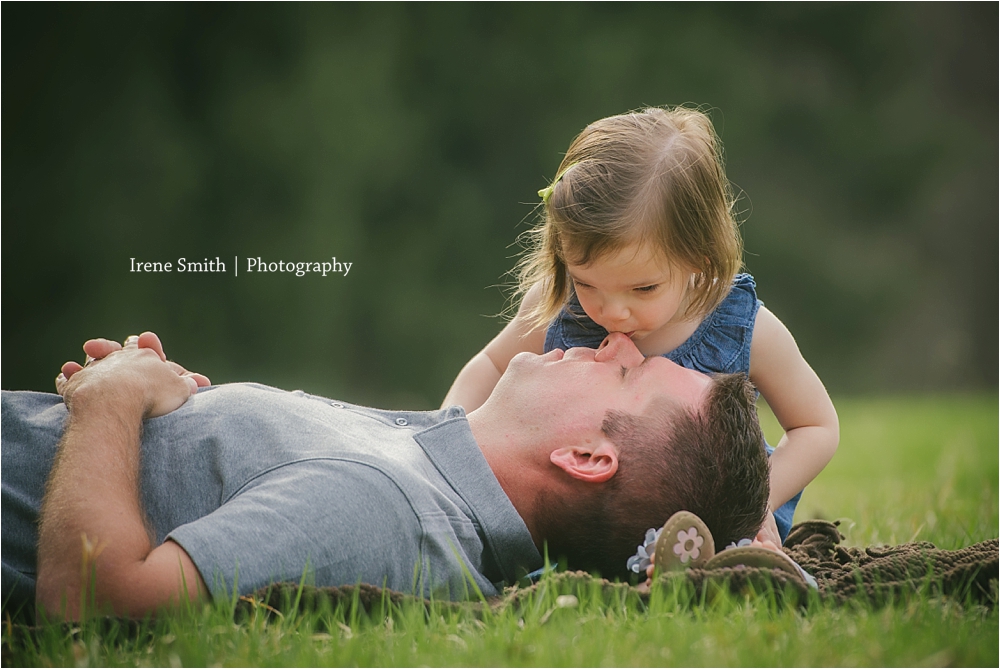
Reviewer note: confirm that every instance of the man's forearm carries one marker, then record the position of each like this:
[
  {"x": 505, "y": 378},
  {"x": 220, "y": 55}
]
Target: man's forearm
[
  {"x": 93, "y": 545},
  {"x": 94, "y": 548},
  {"x": 91, "y": 521}
]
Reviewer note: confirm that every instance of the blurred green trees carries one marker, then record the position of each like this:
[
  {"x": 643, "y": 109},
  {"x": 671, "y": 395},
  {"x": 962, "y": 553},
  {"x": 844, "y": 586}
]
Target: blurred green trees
[{"x": 411, "y": 139}]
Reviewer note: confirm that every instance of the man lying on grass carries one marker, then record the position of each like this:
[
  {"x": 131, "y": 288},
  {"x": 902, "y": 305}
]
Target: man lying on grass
[{"x": 153, "y": 493}]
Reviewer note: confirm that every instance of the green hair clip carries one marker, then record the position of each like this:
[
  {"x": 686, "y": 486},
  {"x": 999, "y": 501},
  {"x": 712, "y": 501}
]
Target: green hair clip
[{"x": 546, "y": 192}]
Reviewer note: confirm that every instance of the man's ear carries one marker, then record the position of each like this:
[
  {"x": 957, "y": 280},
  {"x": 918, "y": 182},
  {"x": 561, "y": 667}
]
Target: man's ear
[{"x": 593, "y": 463}]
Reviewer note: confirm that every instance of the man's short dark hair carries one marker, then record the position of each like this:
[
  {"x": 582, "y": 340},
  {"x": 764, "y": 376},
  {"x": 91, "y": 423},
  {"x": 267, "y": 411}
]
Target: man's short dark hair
[{"x": 711, "y": 463}]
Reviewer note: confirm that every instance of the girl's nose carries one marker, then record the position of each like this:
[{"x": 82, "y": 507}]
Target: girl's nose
[{"x": 614, "y": 311}]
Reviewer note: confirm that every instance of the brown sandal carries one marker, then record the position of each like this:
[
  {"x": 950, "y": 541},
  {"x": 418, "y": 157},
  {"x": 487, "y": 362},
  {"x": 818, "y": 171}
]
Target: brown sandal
[{"x": 684, "y": 542}]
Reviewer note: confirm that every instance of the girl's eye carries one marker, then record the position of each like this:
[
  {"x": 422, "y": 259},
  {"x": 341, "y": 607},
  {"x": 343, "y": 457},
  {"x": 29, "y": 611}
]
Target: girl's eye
[
  {"x": 580, "y": 284},
  {"x": 648, "y": 289}
]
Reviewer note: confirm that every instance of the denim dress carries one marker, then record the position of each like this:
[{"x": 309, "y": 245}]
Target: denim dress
[{"x": 721, "y": 344}]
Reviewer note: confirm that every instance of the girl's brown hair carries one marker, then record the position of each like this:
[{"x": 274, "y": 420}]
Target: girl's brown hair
[{"x": 650, "y": 177}]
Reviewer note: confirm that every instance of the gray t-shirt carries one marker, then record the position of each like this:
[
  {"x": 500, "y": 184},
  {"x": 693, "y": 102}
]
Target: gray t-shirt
[{"x": 261, "y": 485}]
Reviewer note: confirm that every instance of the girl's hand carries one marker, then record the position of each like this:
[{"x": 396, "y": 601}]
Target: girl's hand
[
  {"x": 648, "y": 583},
  {"x": 768, "y": 532},
  {"x": 766, "y": 543}
]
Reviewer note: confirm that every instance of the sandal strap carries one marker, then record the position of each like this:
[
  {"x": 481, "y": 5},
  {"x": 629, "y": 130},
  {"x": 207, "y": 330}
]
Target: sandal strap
[{"x": 756, "y": 556}]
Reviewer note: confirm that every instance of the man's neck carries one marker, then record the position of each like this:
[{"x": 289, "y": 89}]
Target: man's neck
[{"x": 512, "y": 463}]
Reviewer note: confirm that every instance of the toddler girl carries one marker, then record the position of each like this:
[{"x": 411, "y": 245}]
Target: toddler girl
[{"x": 639, "y": 237}]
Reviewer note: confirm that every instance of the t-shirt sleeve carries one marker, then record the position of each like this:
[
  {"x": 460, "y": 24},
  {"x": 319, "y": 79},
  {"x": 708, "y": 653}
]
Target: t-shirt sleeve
[{"x": 336, "y": 522}]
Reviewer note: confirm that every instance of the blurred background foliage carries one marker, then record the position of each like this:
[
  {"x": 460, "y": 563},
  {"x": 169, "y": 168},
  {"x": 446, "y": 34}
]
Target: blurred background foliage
[{"x": 410, "y": 140}]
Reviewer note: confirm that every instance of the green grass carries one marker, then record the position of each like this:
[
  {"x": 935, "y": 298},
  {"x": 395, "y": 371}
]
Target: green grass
[{"x": 907, "y": 469}]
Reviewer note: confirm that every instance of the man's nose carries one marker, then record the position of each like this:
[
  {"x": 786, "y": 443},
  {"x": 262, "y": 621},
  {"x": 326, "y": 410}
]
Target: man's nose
[{"x": 616, "y": 346}]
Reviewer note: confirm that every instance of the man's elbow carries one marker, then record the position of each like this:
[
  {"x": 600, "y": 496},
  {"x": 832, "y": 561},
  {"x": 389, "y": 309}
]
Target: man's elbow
[
  {"x": 65, "y": 593},
  {"x": 66, "y": 596},
  {"x": 56, "y": 597}
]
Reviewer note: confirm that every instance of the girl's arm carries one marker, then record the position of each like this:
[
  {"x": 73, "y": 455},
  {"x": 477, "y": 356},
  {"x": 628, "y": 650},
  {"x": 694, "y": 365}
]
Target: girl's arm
[
  {"x": 475, "y": 383},
  {"x": 799, "y": 402}
]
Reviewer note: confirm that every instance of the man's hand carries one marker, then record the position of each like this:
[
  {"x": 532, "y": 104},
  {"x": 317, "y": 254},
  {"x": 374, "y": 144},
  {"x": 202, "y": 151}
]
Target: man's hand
[{"x": 140, "y": 368}]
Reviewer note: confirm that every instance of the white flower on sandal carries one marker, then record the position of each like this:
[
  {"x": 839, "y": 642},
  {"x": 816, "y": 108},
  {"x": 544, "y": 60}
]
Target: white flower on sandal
[
  {"x": 740, "y": 544},
  {"x": 688, "y": 546},
  {"x": 638, "y": 562}
]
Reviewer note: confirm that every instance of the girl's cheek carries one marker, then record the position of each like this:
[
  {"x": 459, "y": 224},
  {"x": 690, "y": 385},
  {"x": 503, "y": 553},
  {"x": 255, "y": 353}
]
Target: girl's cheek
[{"x": 588, "y": 306}]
